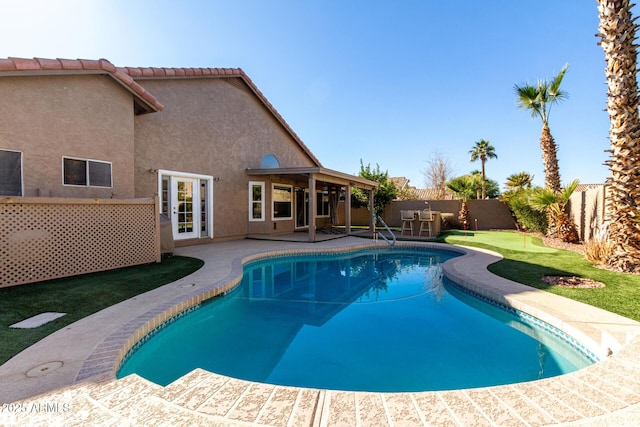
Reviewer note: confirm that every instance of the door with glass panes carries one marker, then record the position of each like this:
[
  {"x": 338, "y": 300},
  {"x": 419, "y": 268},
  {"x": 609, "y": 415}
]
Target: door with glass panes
[
  {"x": 187, "y": 200},
  {"x": 185, "y": 212}
]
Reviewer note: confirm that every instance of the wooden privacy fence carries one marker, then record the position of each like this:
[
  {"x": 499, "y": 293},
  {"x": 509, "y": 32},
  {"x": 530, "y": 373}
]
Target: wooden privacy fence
[{"x": 47, "y": 238}]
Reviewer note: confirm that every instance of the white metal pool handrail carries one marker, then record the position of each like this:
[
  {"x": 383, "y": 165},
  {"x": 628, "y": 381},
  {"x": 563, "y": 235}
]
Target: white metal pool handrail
[{"x": 389, "y": 230}]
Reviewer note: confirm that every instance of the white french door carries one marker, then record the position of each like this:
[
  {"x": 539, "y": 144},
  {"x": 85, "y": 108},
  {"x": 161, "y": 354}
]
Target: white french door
[
  {"x": 185, "y": 200},
  {"x": 188, "y": 200}
]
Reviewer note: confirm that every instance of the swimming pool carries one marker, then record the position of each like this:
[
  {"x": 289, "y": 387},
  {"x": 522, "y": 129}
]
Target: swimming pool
[{"x": 375, "y": 320}]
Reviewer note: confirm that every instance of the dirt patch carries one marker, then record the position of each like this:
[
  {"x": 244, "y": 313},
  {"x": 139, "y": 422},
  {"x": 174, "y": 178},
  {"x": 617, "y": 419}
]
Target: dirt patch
[
  {"x": 572, "y": 282},
  {"x": 554, "y": 242}
]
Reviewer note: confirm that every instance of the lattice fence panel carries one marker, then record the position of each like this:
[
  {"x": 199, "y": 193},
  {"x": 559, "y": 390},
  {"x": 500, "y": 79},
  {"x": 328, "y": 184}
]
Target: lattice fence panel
[{"x": 43, "y": 239}]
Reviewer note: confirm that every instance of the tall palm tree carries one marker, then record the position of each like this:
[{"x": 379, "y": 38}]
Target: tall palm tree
[
  {"x": 539, "y": 99},
  {"x": 519, "y": 181},
  {"x": 617, "y": 30},
  {"x": 483, "y": 150}
]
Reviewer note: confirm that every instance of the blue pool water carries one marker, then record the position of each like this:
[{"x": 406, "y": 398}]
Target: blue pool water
[{"x": 374, "y": 320}]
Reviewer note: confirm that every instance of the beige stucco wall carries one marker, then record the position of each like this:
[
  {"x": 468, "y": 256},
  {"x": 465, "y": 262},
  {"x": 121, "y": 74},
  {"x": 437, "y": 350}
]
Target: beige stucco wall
[
  {"x": 270, "y": 226},
  {"x": 214, "y": 127},
  {"x": 83, "y": 116},
  {"x": 490, "y": 213},
  {"x": 588, "y": 211}
]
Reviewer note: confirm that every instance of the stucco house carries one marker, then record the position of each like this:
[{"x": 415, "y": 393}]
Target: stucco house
[{"x": 220, "y": 158}]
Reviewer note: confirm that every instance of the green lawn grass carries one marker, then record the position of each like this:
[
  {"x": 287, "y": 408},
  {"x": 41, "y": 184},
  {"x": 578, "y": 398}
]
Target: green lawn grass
[
  {"x": 526, "y": 263},
  {"x": 79, "y": 296}
]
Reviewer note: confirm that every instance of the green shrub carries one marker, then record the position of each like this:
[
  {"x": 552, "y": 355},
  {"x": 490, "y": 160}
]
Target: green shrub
[{"x": 525, "y": 215}]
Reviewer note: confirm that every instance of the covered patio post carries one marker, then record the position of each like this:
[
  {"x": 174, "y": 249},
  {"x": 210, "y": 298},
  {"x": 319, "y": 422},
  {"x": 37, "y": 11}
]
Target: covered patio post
[
  {"x": 347, "y": 209},
  {"x": 311, "y": 211},
  {"x": 372, "y": 213}
]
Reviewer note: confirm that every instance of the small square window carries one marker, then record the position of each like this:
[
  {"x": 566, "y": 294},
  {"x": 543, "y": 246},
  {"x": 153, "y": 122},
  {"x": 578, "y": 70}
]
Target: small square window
[
  {"x": 10, "y": 173},
  {"x": 75, "y": 172},
  {"x": 99, "y": 174}
]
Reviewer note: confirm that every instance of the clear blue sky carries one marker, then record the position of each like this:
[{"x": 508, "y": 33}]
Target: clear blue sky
[{"x": 388, "y": 83}]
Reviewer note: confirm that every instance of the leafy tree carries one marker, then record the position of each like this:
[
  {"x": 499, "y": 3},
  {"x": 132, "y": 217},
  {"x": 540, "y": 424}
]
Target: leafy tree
[
  {"x": 518, "y": 201},
  {"x": 382, "y": 196},
  {"x": 539, "y": 98},
  {"x": 519, "y": 190},
  {"x": 554, "y": 203},
  {"x": 483, "y": 150},
  {"x": 491, "y": 186},
  {"x": 618, "y": 32}
]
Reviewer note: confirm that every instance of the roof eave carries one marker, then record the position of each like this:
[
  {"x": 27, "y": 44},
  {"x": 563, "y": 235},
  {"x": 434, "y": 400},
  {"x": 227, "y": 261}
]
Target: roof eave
[{"x": 321, "y": 173}]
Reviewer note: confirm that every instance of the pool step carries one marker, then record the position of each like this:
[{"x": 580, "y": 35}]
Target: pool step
[{"x": 242, "y": 401}]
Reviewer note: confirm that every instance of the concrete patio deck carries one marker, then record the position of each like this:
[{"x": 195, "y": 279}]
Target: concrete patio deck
[{"x": 68, "y": 378}]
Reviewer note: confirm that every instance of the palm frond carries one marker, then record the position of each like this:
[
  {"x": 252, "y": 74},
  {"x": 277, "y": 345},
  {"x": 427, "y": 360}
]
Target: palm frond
[
  {"x": 528, "y": 98},
  {"x": 543, "y": 198},
  {"x": 464, "y": 187},
  {"x": 483, "y": 150},
  {"x": 568, "y": 190},
  {"x": 539, "y": 98},
  {"x": 519, "y": 180},
  {"x": 554, "y": 87}
]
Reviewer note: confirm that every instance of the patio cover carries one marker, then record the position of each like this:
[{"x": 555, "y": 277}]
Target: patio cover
[{"x": 315, "y": 174}]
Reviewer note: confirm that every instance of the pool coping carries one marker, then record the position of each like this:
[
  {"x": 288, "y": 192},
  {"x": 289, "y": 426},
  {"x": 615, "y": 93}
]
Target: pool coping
[{"x": 603, "y": 332}]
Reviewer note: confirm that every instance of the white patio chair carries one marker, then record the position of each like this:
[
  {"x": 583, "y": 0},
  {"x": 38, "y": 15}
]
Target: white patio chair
[
  {"x": 426, "y": 218},
  {"x": 407, "y": 218}
]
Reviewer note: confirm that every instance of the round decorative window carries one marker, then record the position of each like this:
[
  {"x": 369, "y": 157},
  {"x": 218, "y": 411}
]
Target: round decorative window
[{"x": 269, "y": 161}]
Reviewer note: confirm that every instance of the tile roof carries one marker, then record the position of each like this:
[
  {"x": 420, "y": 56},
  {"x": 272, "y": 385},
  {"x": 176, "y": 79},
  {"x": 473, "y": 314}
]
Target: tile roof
[
  {"x": 170, "y": 73},
  {"x": 585, "y": 187},
  {"x": 17, "y": 66},
  {"x": 433, "y": 194},
  {"x": 181, "y": 72}
]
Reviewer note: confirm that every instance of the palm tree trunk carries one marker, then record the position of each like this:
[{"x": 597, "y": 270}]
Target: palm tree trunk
[
  {"x": 463, "y": 215},
  {"x": 550, "y": 160},
  {"x": 484, "y": 182},
  {"x": 617, "y": 29}
]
